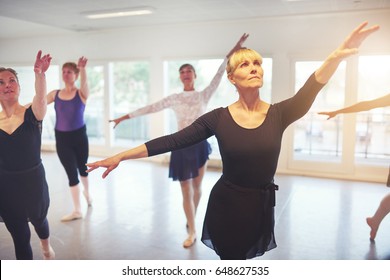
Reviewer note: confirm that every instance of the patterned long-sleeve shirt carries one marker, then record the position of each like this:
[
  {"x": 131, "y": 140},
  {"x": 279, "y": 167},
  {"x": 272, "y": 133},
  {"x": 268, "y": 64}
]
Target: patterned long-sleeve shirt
[{"x": 187, "y": 105}]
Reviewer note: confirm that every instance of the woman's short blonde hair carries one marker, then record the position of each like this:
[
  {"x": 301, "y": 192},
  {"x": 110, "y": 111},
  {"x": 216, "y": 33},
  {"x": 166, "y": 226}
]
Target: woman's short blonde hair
[{"x": 239, "y": 56}]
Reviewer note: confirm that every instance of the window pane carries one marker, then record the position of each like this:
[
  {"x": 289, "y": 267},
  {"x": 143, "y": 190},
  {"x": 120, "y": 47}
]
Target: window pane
[
  {"x": 224, "y": 95},
  {"x": 94, "y": 110},
  {"x": 131, "y": 89},
  {"x": 314, "y": 136},
  {"x": 373, "y": 127}
]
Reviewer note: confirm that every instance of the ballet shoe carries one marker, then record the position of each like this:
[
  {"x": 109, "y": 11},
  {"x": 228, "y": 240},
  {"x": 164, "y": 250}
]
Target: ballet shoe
[
  {"x": 71, "y": 217},
  {"x": 48, "y": 255},
  {"x": 189, "y": 241},
  {"x": 88, "y": 199}
]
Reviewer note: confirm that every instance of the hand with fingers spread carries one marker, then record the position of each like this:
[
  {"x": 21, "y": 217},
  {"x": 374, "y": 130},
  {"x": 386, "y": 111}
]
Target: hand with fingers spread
[
  {"x": 82, "y": 62},
  {"x": 42, "y": 63},
  {"x": 353, "y": 41},
  {"x": 112, "y": 162},
  {"x": 109, "y": 163},
  {"x": 348, "y": 47}
]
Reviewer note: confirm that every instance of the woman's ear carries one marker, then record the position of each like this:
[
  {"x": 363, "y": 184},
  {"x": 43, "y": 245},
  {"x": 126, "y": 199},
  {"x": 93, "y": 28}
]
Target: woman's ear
[{"x": 230, "y": 78}]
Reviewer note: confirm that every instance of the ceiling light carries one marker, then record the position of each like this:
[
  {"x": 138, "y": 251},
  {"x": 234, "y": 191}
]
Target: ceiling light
[{"x": 119, "y": 13}]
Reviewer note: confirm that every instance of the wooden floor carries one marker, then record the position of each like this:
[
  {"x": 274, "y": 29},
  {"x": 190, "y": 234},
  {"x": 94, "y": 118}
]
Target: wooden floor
[{"x": 137, "y": 215}]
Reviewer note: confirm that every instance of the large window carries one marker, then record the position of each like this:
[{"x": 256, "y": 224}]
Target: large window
[
  {"x": 130, "y": 91},
  {"x": 314, "y": 136},
  {"x": 343, "y": 143},
  {"x": 224, "y": 95},
  {"x": 373, "y": 127}
]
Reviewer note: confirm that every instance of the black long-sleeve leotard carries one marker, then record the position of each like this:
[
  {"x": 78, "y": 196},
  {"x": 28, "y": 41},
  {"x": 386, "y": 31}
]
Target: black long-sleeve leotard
[{"x": 250, "y": 158}]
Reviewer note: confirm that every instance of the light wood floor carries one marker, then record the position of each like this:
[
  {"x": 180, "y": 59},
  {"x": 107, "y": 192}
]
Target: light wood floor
[{"x": 137, "y": 215}]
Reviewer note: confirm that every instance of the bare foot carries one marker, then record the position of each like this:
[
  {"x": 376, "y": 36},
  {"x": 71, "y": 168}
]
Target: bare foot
[{"x": 374, "y": 228}]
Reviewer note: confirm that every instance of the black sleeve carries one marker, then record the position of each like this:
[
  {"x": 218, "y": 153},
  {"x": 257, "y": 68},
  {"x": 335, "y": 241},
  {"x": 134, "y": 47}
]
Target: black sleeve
[
  {"x": 198, "y": 131},
  {"x": 297, "y": 106}
]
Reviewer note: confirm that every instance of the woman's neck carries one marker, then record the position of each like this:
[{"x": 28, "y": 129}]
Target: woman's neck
[
  {"x": 189, "y": 88},
  {"x": 70, "y": 87},
  {"x": 10, "y": 108},
  {"x": 250, "y": 101}
]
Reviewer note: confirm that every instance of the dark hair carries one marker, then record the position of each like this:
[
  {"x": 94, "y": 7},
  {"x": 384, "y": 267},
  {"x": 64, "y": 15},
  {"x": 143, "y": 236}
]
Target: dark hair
[
  {"x": 187, "y": 65},
  {"x": 2, "y": 69}
]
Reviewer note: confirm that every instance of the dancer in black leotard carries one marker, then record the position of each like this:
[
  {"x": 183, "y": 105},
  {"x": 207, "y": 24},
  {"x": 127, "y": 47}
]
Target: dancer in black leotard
[
  {"x": 239, "y": 221},
  {"x": 24, "y": 193}
]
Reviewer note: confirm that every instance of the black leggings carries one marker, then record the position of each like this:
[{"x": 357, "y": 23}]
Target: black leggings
[
  {"x": 21, "y": 235},
  {"x": 24, "y": 197},
  {"x": 72, "y": 149}
]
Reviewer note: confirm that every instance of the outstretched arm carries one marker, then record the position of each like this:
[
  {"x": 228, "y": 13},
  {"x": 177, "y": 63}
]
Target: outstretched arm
[
  {"x": 349, "y": 47},
  {"x": 39, "y": 103},
  {"x": 382, "y": 101},
  {"x": 149, "y": 109},
  {"x": 112, "y": 162},
  {"x": 300, "y": 103},
  {"x": 199, "y": 130},
  {"x": 84, "y": 90}
]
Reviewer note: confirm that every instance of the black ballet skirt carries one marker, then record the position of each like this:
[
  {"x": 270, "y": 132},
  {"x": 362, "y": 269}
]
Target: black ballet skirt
[{"x": 239, "y": 221}]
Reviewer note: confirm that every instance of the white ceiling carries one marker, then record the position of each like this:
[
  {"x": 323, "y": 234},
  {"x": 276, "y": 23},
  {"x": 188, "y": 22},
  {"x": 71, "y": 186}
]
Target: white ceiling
[{"x": 22, "y": 18}]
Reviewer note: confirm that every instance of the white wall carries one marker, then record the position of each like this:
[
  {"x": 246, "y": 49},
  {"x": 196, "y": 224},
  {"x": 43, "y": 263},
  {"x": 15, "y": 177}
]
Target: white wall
[{"x": 280, "y": 38}]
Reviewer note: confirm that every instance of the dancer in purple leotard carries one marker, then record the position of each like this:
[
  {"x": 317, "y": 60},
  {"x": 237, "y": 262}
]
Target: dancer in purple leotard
[{"x": 71, "y": 132}]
